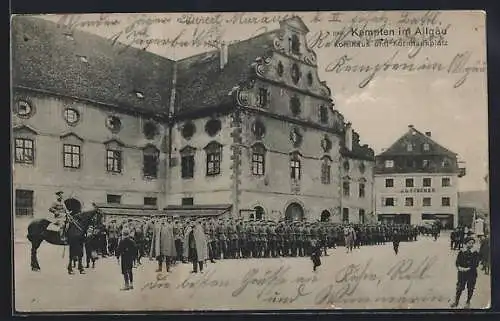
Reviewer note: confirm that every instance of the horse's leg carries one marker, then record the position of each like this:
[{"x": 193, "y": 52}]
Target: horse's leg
[
  {"x": 70, "y": 260},
  {"x": 35, "y": 244}
]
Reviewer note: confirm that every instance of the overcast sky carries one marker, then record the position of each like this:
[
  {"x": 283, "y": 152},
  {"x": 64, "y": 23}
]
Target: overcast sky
[{"x": 382, "y": 110}]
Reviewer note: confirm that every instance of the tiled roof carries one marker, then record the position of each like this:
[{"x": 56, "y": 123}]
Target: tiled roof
[
  {"x": 417, "y": 139},
  {"x": 50, "y": 57},
  {"x": 363, "y": 152},
  {"x": 202, "y": 83}
]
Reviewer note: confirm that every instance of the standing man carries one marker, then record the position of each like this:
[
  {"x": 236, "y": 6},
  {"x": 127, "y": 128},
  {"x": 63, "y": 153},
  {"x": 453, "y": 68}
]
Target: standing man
[
  {"x": 60, "y": 212},
  {"x": 466, "y": 263},
  {"x": 196, "y": 250},
  {"x": 163, "y": 244}
]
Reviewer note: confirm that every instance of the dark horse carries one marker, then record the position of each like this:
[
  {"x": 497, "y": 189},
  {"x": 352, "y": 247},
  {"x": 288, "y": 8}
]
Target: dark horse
[{"x": 77, "y": 229}]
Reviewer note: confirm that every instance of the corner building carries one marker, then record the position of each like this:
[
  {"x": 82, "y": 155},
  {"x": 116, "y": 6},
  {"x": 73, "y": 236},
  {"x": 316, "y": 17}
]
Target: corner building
[
  {"x": 416, "y": 180},
  {"x": 246, "y": 131}
]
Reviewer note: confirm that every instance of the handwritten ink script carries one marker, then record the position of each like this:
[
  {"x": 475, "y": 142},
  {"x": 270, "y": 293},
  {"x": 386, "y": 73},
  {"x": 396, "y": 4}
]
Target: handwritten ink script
[
  {"x": 459, "y": 64},
  {"x": 352, "y": 283},
  {"x": 403, "y": 34}
]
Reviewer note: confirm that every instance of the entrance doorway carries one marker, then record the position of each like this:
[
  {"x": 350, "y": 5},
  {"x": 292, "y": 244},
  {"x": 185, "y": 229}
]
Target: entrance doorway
[
  {"x": 294, "y": 212},
  {"x": 325, "y": 216},
  {"x": 73, "y": 205}
]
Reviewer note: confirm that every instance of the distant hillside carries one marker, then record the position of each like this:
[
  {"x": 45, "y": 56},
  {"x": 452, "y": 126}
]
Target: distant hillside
[{"x": 477, "y": 199}]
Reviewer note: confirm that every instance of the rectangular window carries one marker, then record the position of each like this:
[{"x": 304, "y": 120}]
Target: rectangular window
[
  {"x": 71, "y": 155},
  {"x": 346, "y": 188},
  {"x": 24, "y": 151},
  {"x": 263, "y": 97},
  {"x": 409, "y": 201},
  {"x": 113, "y": 199},
  {"x": 114, "y": 161},
  {"x": 427, "y": 182},
  {"x": 295, "y": 169},
  {"x": 24, "y": 203},
  {"x": 257, "y": 163},
  {"x": 361, "y": 216},
  {"x": 345, "y": 215},
  {"x": 150, "y": 201},
  {"x": 445, "y": 201},
  {"x": 150, "y": 162},
  {"x": 213, "y": 163},
  {"x": 426, "y": 147},
  {"x": 425, "y": 163},
  {"x": 426, "y": 201},
  {"x": 389, "y": 164},
  {"x": 187, "y": 166},
  {"x": 325, "y": 173},
  {"x": 445, "y": 182},
  {"x": 409, "y": 147},
  {"x": 409, "y": 182},
  {"x": 361, "y": 190},
  {"x": 389, "y": 201},
  {"x": 187, "y": 201},
  {"x": 389, "y": 182}
]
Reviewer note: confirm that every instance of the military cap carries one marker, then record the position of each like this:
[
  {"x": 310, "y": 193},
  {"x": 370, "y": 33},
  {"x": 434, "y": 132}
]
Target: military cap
[{"x": 59, "y": 193}]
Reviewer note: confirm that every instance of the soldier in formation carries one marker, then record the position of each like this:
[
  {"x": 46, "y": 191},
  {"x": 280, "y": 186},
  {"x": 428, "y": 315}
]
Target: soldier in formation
[{"x": 228, "y": 238}]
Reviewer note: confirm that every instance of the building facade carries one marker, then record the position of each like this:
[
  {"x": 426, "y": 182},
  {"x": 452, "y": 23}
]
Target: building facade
[
  {"x": 357, "y": 180},
  {"x": 248, "y": 130},
  {"x": 416, "y": 180}
]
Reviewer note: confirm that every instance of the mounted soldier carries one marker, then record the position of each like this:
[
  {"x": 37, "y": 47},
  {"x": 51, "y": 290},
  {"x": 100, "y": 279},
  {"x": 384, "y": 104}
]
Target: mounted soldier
[{"x": 60, "y": 212}]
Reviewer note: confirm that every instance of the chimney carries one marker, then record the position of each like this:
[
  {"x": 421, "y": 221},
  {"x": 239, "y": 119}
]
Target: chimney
[
  {"x": 348, "y": 136},
  {"x": 428, "y": 134},
  {"x": 223, "y": 55}
]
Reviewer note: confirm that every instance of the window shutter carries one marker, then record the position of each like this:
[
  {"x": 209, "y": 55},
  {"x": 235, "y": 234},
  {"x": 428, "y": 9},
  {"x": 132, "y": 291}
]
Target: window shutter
[
  {"x": 383, "y": 201},
  {"x": 268, "y": 93}
]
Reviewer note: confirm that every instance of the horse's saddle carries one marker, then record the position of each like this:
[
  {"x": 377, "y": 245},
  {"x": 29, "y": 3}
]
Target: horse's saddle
[{"x": 55, "y": 225}]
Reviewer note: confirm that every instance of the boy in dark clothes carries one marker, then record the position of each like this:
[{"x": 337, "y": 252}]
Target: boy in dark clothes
[
  {"x": 316, "y": 253},
  {"x": 127, "y": 250},
  {"x": 467, "y": 262},
  {"x": 395, "y": 241}
]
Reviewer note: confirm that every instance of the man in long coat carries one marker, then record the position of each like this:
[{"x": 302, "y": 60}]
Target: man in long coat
[
  {"x": 196, "y": 249},
  {"x": 163, "y": 244}
]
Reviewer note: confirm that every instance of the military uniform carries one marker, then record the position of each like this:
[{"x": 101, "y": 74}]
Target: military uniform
[
  {"x": 222, "y": 238},
  {"x": 60, "y": 212}
]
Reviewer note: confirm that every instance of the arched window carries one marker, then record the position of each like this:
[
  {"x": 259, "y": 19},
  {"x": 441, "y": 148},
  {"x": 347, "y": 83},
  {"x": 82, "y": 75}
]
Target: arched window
[
  {"x": 259, "y": 213},
  {"x": 295, "y": 166},
  {"x": 326, "y": 170},
  {"x": 214, "y": 157},
  {"x": 258, "y": 159},
  {"x": 150, "y": 157}
]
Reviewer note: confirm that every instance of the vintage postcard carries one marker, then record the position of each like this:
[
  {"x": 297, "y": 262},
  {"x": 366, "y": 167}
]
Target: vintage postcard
[{"x": 250, "y": 161}]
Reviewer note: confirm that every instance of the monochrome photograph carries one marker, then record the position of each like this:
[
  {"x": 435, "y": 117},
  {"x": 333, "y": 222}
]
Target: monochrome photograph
[{"x": 249, "y": 161}]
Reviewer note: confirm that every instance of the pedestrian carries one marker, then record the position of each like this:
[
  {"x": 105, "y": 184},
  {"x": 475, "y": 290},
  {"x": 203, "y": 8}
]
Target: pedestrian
[
  {"x": 395, "y": 242},
  {"x": 315, "y": 253},
  {"x": 127, "y": 250},
  {"x": 484, "y": 251},
  {"x": 466, "y": 263}
]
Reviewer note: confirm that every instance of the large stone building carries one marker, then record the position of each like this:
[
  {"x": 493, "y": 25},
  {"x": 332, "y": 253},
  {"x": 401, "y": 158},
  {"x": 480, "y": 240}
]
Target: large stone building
[
  {"x": 416, "y": 179},
  {"x": 357, "y": 180},
  {"x": 248, "y": 130}
]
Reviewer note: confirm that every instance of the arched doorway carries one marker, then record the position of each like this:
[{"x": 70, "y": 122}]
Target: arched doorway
[
  {"x": 259, "y": 213},
  {"x": 294, "y": 212},
  {"x": 325, "y": 216},
  {"x": 73, "y": 205}
]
